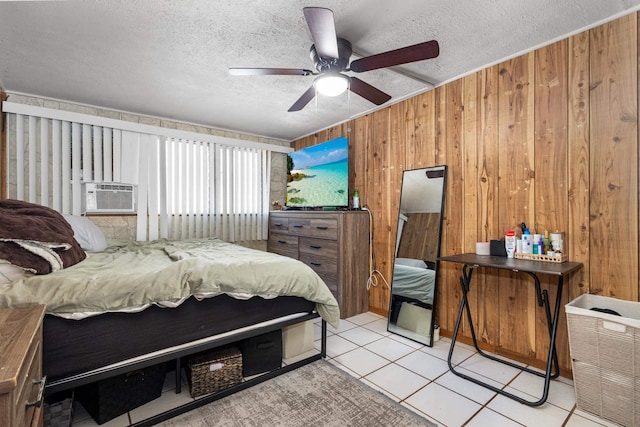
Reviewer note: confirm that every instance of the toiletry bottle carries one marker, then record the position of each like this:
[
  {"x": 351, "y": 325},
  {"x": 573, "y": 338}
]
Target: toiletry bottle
[
  {"x": 540, "y": 245},
  {"x": 356, "y": 199},
  {"x": 527, "y": 246},
  {"x": 510, "y": 242}
]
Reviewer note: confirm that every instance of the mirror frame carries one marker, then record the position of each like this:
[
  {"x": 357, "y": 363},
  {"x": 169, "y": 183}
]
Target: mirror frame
[{"x": 440, "y": 171}]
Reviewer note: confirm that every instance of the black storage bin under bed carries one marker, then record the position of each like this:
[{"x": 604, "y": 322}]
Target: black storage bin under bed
[
  {"x": 261, "y": 353},
  {"x": 111, "y": 397}
]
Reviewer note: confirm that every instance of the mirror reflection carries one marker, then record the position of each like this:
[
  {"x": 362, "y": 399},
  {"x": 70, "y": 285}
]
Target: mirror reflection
[{"x": 413, "y": 285}]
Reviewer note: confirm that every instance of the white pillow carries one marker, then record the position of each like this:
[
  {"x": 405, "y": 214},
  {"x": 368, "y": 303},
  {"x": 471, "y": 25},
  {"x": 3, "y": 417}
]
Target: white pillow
[
  {"x": 87, "y": 233},
  {"x": 10, "y": 273}
]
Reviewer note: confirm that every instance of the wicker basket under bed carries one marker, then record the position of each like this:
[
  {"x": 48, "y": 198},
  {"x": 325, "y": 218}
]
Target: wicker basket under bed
[{"x": 215, "y": 370}]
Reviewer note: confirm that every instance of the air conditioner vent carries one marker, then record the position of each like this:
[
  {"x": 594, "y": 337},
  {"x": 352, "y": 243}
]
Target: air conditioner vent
[{"x": 109, "y": 197}]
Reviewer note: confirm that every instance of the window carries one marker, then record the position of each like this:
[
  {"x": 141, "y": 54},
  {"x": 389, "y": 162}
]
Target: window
[{"x": 190, "y": 185}]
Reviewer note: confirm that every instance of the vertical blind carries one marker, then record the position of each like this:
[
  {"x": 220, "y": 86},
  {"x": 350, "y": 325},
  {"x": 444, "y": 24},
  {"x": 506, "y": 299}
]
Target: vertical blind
[{"x": 187, "y": 187}]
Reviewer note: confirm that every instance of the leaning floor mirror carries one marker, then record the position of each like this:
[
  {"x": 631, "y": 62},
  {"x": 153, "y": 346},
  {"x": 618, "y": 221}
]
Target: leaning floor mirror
[{"x": 417, "y": 247}]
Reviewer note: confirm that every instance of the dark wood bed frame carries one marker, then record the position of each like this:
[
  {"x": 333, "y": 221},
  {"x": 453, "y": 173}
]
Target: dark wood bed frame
[{"x": 176, "y": 353}]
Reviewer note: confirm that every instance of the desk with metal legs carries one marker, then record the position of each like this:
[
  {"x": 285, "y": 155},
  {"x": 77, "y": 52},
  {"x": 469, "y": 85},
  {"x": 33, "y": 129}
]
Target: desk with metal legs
[{"x": 532, "y": 268}]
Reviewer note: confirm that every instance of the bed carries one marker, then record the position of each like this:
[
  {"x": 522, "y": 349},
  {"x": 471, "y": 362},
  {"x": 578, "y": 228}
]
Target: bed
[{"x": 173, "y": 298}]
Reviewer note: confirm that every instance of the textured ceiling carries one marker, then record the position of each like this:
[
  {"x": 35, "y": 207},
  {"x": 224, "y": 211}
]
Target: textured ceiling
[{"x": 170, "y": 58}]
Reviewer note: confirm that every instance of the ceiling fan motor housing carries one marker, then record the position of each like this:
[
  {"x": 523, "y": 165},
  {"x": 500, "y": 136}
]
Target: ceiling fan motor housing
[{"x": 332, "y": 64}]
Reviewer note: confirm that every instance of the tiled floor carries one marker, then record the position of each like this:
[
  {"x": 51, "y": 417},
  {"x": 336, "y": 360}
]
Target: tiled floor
[{"x": 418, "y": 377}]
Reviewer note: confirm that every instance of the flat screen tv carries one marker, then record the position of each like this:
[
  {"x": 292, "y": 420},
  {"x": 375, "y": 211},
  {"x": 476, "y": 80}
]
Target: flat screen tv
[{"x": 318, "y": 176}]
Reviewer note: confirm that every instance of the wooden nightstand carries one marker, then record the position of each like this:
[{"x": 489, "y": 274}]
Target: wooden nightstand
[{"x": 21, "y": 382}]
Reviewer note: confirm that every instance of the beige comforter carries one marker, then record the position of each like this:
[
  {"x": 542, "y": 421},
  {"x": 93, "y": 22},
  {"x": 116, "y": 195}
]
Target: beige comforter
[{"x": 130, "y": 276}]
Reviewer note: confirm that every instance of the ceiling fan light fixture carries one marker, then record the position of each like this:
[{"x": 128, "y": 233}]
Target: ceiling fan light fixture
[{"x": 331, "y": 84}]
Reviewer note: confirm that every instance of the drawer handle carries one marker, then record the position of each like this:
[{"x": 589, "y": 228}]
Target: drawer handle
[
  {"x": 322, "y": 227},
  {"x": 277, "y": 225},
  {"x": 315, "y": 247},
  {"x": 38, "y": 402},
  {"x": 298, "y": 226},
  {"x": 315, "y": 264},
  {"x": 284, "y": 242}
]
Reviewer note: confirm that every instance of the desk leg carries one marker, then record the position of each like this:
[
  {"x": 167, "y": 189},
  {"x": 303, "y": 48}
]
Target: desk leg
[{"x": 552, "y": 360}]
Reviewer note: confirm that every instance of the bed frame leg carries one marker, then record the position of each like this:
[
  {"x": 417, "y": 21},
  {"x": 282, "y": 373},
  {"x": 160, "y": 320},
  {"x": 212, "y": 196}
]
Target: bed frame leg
[
  {"x": 323, "y": 342},
  {"x": 178, "y": 376}
]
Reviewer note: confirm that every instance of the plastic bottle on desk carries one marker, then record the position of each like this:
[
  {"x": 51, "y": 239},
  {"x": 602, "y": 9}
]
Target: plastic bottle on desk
[
  {"x": 527, "y": 244},
  {"x": 510, "y": 242}
]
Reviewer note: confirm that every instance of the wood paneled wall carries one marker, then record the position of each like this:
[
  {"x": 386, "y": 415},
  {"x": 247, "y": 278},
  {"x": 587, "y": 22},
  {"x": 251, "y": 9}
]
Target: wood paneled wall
[{"x": 549, "y": 138}]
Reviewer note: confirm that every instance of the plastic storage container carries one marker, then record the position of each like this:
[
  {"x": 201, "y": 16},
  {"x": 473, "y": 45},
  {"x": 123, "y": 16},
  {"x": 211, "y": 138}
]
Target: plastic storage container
[{"x": 605, "y": 353}]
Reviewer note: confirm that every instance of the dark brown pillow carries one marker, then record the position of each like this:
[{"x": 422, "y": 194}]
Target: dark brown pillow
[{"x": 29, "y": 221}]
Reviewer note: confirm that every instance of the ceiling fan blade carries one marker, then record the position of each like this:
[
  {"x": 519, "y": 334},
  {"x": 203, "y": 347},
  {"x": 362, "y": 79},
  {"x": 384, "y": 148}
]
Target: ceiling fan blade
[
  {"x": 323, "y": 31},
  {"x": 269, "y": 72},
  {"x": 368, "y": 92},
  {"x": 303, "y": 100},
  {"x": 404, "y": 55}
]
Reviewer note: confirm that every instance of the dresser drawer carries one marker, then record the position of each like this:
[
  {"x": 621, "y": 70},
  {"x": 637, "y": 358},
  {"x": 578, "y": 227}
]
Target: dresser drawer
[
  {"x": 283, "y": 244},
  {"x": 277, "y": 224},
  {"x": 322, "y": 247},
  {"x": 327, "y": 268},
  {"x": 326, "y": 228},
  {"x": 28, "y": 390}
]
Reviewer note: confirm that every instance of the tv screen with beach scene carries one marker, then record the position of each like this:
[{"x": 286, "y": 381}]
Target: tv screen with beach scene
[{"x": 318, "y": 176}]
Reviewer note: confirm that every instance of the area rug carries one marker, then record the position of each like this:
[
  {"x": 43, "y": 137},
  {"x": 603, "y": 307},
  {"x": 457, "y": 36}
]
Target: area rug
[{"x": 318, "y": 394}]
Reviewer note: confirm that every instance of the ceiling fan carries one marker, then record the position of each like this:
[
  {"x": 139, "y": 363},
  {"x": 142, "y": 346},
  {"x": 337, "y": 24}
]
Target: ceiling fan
[{"x": 331, "y": 54}]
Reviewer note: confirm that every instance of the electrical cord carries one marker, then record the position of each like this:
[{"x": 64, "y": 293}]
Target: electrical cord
[{"x": 372, "y": 280}]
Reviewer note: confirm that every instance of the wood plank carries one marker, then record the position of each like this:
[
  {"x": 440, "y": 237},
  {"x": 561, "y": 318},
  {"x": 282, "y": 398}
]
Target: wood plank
[
  {"x": 551, "y": 198},
  {"x": 517, "y": 297},
  {"x": 487, "y": 326},
  {"x": 378, "y": 187},
  {"x": 578, "y": 159},
  {"x": 449, "y": 152},
  {"x": 614, "y": 159}
]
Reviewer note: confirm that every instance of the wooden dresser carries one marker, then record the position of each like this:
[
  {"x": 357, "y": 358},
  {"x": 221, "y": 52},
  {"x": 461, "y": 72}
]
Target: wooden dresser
[
  {"x": 335, "y": 244},
  {"x": 21, "y": 382}
]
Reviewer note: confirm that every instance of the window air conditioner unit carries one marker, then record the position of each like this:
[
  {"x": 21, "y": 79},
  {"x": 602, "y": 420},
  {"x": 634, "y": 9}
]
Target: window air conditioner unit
[{"x": 109, "y": 197}]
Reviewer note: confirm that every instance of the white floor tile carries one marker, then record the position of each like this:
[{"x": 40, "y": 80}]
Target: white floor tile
[
  {"x": 487, "y": 417},
  {"x": 467, "y": 388},
  {"x": 361, "y": 336},
  {"x": 361, "y": 361},
  {"x": 443, "y": 405},
  {"x": 406, "y": 341},
  {"x": 389, "y": 349},
  {"x": 336, "y": 345},
  {"x": 363, "y": 318},
  {"x": 344, "y": 325},
  {"x": 424, "y": 364},
  {"x": 490, "y": 369},
  {"x": 344, "y": 368},
  {"x": 379, "y": 326},
  {"x": 381, "y": 390},
  {"x": 441, "y": 350},
  {"x": 543, "y": 415},
  {"x": 397, "y": 380},
  {"x": 560, "y": 394}
]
